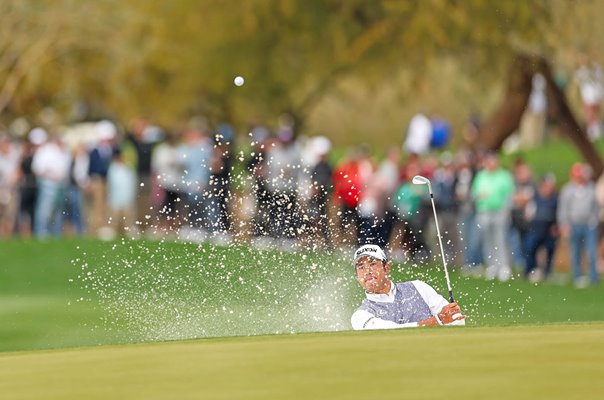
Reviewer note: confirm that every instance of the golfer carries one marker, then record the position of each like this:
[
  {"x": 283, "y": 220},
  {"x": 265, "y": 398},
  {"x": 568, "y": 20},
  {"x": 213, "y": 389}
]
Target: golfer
[{"x": 401, "y": 305}]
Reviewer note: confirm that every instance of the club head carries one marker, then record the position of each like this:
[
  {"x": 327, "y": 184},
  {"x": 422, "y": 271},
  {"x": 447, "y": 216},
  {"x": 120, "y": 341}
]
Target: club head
[{"x": 420, "y": 180}]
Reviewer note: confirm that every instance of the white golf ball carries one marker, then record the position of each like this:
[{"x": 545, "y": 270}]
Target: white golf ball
[{"x": 239, "y": 81}]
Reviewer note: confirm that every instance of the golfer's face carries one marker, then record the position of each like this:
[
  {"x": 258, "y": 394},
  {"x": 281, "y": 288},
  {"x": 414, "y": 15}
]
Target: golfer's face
[{"x": 372, "y": 274}]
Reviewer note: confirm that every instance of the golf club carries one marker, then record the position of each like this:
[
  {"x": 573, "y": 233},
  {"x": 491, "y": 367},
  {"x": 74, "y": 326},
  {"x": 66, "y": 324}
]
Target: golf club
[{"x": 422, "y": 180}]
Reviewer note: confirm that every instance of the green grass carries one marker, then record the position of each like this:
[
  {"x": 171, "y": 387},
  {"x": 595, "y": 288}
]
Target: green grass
[
  {"x": 529, "y": 362},
  {"x": 84, "y": 292},
  {"x": 139, "y": 298},
  {"x": 556, "y": 156}
]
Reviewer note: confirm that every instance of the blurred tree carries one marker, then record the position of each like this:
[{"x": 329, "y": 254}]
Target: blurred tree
[
  {"x": 50, "y": 47},
  {"x": 293, "y": 52},
  {"x": 173, "y": 60},
  {"x": 135, "y": 55},
  {"x": 308, "y": 47}
]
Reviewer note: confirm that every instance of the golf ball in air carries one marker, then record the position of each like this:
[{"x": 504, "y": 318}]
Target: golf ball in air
[{"x": 239, "y": 81}]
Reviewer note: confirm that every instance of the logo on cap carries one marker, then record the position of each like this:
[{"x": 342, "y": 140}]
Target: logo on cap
[{"x": 369, "y": 250}]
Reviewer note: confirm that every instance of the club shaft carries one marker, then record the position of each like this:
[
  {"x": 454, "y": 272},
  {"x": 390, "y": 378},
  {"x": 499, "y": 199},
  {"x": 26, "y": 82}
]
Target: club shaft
[{"x": 442, "y": 250}]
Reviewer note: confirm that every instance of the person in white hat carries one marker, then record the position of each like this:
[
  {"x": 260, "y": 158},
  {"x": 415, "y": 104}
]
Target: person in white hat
[{"x": 390, "y": 305}]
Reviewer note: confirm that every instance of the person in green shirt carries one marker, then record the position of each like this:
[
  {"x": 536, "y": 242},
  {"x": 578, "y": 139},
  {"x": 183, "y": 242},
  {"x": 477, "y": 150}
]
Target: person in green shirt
[
  {"x": 492, "y": 191},
  {"x": 408, "y": 202}
]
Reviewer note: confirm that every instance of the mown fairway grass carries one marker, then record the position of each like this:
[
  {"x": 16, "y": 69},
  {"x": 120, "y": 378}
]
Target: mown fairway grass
[
  {"x": 528, "y": 362},
  {"x": 522, "y": 341}
]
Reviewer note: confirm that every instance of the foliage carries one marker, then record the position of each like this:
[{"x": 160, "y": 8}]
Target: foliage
[
  {"x": 172, "y": 60},
  {"x": 50, "y": 49}
]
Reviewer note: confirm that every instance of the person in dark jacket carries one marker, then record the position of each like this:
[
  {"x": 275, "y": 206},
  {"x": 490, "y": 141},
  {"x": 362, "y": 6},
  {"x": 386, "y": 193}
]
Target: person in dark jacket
[{"x": 543, "y": 230}]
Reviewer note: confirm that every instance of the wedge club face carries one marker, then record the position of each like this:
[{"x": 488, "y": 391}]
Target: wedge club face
[{"x": 420, "y": 180}]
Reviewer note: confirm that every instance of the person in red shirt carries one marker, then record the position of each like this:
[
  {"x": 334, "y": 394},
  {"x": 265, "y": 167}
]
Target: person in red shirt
[{"x": 347, "y": 192}]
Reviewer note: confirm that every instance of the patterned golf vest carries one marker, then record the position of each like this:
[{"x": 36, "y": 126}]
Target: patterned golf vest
[{"x": 408, "y": 305}]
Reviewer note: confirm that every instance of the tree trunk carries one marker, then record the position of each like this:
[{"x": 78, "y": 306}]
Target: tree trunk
[
  {"x": 506, "y": 119},
  {"x": 563, "y": 116}
]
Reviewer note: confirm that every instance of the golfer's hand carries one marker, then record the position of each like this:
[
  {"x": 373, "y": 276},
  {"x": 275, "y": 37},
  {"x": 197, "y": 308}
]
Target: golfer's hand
[{"x": 450, "y": 313}]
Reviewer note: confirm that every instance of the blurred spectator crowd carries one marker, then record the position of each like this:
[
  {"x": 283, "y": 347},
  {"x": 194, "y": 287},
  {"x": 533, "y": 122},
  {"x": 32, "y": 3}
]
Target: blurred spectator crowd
[{"x": 278, "y": 189}]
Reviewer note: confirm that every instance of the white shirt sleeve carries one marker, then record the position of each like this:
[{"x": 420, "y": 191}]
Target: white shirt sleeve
[{"x": 363, "y": 320}]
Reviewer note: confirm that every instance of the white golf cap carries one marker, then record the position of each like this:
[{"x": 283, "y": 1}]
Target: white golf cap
[
  {"x": 370, "y": 250},
  {"x": 106, "y": 130},
  {"x": 37, "y": 136}
]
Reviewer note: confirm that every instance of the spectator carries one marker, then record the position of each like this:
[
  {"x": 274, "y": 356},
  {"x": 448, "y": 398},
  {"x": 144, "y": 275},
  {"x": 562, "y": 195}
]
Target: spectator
[
  {"x": 99, "y": 160},
  {"x": 368, "y": 201},
  {"x": 28, "y": 188},
  {"x": 283, "y": 169},
  {"x": 220, "y": 182},
  {"x": 492, "y": 189},
  {"x": 532, "y": 125},
  {"x": 523, "y": 193},
  {"x": 599, "y": 186},
  {"x": 445, "y": 182},
  {"x": 371, "y": 208},
  {"x": 321, "y": 186},
  {"x": 470, "y": 234},
  {"x": 195, "y": 153},
  {"x": 578, "y": 219},
  {"x": 590, "y": 79},
  {"x": 9, "y": 166},
  {"x": 441, "y": 133},
  {"x": 51, "y": 164},
  {"x": 542, "y": 231},
  {"x": 76, "y": 187},
  {"x": 347, "y": 193},
  {"x": 256, "y": 166},
  {"x": 419, "y": 135},
  {"x": 387, "y": 180},
  {"x": 167, "y": 167},
  {"x": 409, "y": 202},
  {"x": 349, "y": 180},
  {"x": 144, "y": 137},
  {"x": 121, "y": 195}
]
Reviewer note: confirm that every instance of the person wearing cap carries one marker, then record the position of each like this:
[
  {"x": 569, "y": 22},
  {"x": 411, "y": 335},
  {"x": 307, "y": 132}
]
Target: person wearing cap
[
  {"x": 100, "y": 156},
  {"x": 578, "y": 220},
  {"x": 390, "y": 305}
]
